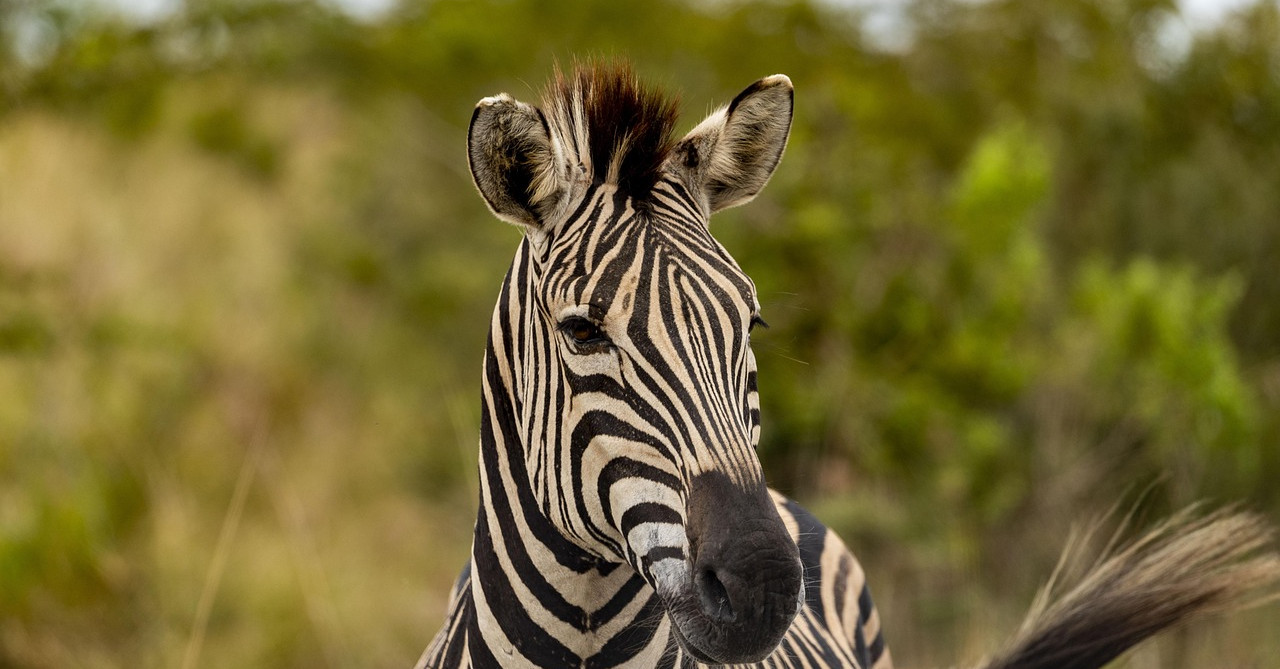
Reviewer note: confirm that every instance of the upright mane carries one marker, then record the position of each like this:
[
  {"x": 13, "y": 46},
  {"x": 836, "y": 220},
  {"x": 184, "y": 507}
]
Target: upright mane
[{"x": 619, "y": 130}]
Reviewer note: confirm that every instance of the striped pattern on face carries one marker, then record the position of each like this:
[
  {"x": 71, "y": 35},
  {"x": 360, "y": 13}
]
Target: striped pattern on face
[{"x": 668, "y": 393}]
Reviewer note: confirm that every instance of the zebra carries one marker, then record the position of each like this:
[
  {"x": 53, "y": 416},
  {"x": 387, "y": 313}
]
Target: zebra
[{"x": 624, "y": 519}]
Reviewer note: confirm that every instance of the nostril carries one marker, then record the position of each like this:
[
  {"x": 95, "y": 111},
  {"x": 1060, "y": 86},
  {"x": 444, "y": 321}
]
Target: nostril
[{"x": 715, "y": 598}]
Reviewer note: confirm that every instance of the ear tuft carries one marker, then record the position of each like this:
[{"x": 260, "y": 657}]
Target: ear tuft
[
  {"x": 513, "y": 160},
  {"x": 779, "y": 83}
]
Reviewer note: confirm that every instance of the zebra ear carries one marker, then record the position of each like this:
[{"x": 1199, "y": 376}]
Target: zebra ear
[
  {"x": 733, "y": 152},
  {"x": 514, "y": 162}
]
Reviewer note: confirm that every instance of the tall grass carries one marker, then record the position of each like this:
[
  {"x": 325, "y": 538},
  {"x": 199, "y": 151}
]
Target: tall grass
[{"x": 159, "y": 339}]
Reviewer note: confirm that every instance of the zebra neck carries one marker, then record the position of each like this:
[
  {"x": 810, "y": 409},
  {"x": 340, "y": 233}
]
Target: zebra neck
[{"x": 540, "y": 598}]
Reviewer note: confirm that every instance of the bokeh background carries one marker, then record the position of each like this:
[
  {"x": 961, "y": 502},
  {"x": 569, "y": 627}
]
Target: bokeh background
[{"x": 1021, "y": 263}]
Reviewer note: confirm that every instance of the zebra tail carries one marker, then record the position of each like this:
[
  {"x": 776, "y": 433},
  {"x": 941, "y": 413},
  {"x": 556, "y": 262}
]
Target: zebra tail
[{"x": 1187, "y": 567}]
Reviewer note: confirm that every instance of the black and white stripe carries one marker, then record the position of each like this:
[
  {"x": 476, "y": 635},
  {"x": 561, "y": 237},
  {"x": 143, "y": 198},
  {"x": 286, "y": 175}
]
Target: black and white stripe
[
  {"x": 633, "y": 427},
  {"x": 618, "y": 466}
]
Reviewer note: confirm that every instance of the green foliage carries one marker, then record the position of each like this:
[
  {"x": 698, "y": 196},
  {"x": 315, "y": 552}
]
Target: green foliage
[
  {"x": 1015, "y": 268},
  {"x": 223, "y": 131},
  {"x": 1162, "y": 361}
]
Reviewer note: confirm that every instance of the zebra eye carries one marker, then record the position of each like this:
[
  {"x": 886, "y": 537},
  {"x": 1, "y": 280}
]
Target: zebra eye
[
  {"x": 583, "y": 331},
  {"x": 756, "y": 320}
]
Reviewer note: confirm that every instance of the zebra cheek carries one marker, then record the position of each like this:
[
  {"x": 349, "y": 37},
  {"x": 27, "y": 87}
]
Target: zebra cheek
[
  {"x": 603, "y": 472},
  {"x": 586, "y": 368}
]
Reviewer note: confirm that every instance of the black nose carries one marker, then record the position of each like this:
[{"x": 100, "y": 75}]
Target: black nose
[
  {"x": 713, "y": 596},
  {"x": 750, "y": 579},
  {"x": 746, "y": 570}
]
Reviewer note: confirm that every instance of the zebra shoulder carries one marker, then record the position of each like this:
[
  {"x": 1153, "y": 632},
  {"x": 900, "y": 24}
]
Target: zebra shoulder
[{"x": 838, "y": 604}]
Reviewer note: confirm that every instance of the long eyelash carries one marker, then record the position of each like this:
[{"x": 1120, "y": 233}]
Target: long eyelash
[{"x": 758, "y": 321}]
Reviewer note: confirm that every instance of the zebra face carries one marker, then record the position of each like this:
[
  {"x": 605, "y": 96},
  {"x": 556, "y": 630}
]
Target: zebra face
[{"x": 629, "y": 328}]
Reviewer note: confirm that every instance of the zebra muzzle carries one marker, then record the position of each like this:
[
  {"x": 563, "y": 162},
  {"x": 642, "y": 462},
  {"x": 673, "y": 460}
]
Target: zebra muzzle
[{"x": 745, "y": 582}]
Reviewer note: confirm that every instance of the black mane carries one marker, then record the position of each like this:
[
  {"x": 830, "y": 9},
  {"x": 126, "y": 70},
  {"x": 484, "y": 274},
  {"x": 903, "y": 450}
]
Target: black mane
[{"x": 622, "y": 123}]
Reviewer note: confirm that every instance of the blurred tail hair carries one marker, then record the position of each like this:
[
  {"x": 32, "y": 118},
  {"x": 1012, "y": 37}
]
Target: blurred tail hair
[{"x": 1189, "y": 566}]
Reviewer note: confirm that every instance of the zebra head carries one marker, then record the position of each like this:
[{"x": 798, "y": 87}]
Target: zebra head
[{"x": 623, "y": 343}]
